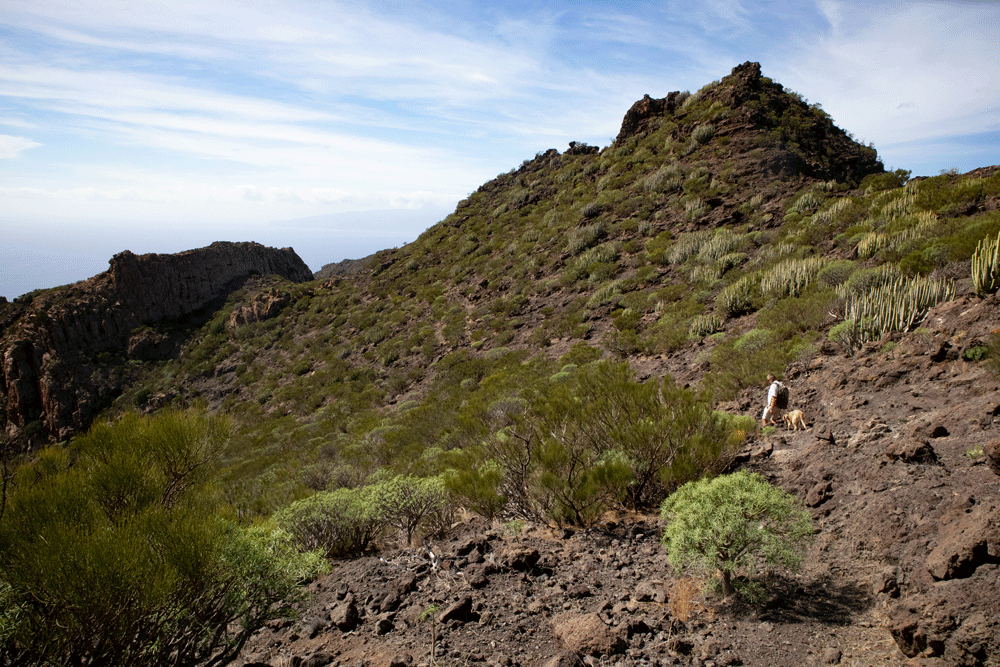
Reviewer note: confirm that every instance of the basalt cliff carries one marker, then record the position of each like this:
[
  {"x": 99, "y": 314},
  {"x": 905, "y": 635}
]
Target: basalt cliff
[{"x": 63, "y": 349}]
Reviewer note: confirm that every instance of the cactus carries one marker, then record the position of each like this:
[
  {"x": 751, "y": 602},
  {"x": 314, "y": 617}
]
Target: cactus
[
  {"x": 722, "y": 243},
  {"x": 703, "y": 325},
  {"x": 897, "y": 305},
  {"x": 738, "y": 298},
  {"x": 688, "y": 245},
  {"x": 791, "y": 276},
  {"x": 986, "y": 266}
]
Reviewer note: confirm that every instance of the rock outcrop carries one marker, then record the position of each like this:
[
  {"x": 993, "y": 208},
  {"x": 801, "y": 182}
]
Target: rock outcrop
[
  {"x": 62, "y": 350},
  {"x": 806, "y": 139}
]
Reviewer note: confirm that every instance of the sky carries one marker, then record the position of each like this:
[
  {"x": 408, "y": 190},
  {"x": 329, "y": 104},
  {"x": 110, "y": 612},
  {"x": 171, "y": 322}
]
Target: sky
[{"x": 341, "y": 128}]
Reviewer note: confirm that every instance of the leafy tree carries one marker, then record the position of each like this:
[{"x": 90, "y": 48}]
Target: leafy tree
[{"x": 734, "y": 523}]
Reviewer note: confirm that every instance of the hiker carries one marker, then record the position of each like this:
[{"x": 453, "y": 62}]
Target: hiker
[{"x": 772, "y": 410}]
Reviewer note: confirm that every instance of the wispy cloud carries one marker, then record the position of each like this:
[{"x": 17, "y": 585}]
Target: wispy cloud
[
  {"x": 233, "y": 110},
  {"x": 903, "y": 72},
  {"x": 11, "y": 147}
]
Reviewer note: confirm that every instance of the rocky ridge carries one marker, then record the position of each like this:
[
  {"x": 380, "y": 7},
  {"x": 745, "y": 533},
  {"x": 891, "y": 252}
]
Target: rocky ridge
[
  {"x": 60, "y": 349},
  {"x": 895, "y": 466}
]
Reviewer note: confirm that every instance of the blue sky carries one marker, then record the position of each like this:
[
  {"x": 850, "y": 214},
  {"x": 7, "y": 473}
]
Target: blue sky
[{"x": 339, "y": 128}]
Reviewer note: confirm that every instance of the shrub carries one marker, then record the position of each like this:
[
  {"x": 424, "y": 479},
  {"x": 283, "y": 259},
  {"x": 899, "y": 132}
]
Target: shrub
[
  {"x": 340, "y": 523},
  {"x": 703, "y": 133},
  {"x": 120, "y": 558},
  {"x": 409, "y": 502},
  {"x": 478, "y": 483},
  {"x": 732, "y": 524}
]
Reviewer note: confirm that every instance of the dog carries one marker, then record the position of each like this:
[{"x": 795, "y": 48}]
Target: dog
[{"x": 794, "y": 419}]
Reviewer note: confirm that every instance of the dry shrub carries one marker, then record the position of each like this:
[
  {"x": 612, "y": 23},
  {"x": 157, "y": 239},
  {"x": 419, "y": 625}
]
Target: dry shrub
[{"x": 685, "y": 599}]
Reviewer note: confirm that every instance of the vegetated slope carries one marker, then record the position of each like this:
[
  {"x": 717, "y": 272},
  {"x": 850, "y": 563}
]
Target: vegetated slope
[
  {"x": 64, "y": 350},
  {"x": 723, "y": 235},
  {"x": 588, "y": 246}
]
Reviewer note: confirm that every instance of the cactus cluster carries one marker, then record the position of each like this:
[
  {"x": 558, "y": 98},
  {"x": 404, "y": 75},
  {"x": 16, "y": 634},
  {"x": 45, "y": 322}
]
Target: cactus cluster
[
  {"x": 909, "y": 227},
  {"x": 703, "y": 325},
  {"x": 986, "y": 266},
  {"x": 809, "y": 201},
  {"x": 828, "y": 215},
  {"x": 720, "y": 244},
  {"x": 687, "y": 246},
  {"x": 899, "y": 304},
  {"x": 738, "y": 298},
  {"x": 791, "y": 276}
]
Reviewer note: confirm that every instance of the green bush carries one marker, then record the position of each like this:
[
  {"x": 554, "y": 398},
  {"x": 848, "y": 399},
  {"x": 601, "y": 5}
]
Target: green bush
[
  {"x": 478, "y": 484},
  {"x": 340, "y": 523},
  {"x": 119, "y": 556},
  {"x": 733, "y": 524},
  {"x": 409, "y": 502}
]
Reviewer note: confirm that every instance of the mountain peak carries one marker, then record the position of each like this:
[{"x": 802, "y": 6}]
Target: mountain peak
[{"x": 746, "y": 104}]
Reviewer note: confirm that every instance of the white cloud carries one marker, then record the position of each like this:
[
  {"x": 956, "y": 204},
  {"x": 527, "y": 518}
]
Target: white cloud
[
  {"x": 11, "y": 147},
  {"x": 902, "y": 72}
]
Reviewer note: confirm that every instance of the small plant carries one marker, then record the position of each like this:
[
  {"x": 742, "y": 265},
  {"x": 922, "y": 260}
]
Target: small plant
[
  {"x": 733, "y": 523},
  {"x": 975, "y": 453},
  {"x": 513, "y": 528},
  {"x": 683, "y": 599},
  {"x": 431, "y": 613}
]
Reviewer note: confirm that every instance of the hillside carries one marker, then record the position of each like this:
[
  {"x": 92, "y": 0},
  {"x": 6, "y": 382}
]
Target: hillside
[{"x": 723, "y": 235}]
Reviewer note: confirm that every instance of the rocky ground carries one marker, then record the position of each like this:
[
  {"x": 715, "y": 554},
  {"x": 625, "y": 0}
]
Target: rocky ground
[{"x": 899, "y": 467}]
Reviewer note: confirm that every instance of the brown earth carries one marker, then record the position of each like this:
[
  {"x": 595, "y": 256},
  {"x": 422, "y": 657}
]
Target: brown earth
[{"x": 903, "y": 570}]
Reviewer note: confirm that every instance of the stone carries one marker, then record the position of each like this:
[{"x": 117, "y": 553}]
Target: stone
[
  {"x": 586, "y": 634},
  {"x": 966, "y": 543},
  {"x": 565, "y": 659},
  {"x": 830, "y": 656},
  {"x": 650, "y": 591},
  {"x": 460, "y": 611},
  {"x": 992, "y": 452},
  {"x": 345, "y": 615},
  {"x": 519, "y": 557}
]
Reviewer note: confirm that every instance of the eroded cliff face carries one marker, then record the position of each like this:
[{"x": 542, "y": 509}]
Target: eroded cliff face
[{"x": 62, "y": 350}]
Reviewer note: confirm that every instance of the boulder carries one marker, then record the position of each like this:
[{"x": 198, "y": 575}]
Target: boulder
[
  {"x": 519, "y": 557},
  {"x": 966, "y": 543},
  {"x": 460, "y": 611},
  {"x": 911, "y": 450},
  {"x": 586, "y": 634},
  {"x": 346, "y": 615}
]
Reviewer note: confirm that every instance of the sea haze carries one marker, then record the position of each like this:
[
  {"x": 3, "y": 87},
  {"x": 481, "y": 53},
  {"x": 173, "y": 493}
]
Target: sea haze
[{"x": 42, "y": 254}]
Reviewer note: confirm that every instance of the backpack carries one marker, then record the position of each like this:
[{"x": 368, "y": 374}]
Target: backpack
[{"x": 782, "y": 399}]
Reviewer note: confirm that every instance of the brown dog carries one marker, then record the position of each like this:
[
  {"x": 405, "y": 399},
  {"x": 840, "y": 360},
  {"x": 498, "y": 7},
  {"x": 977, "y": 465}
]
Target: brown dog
[{"x": 794, "y": 419}]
